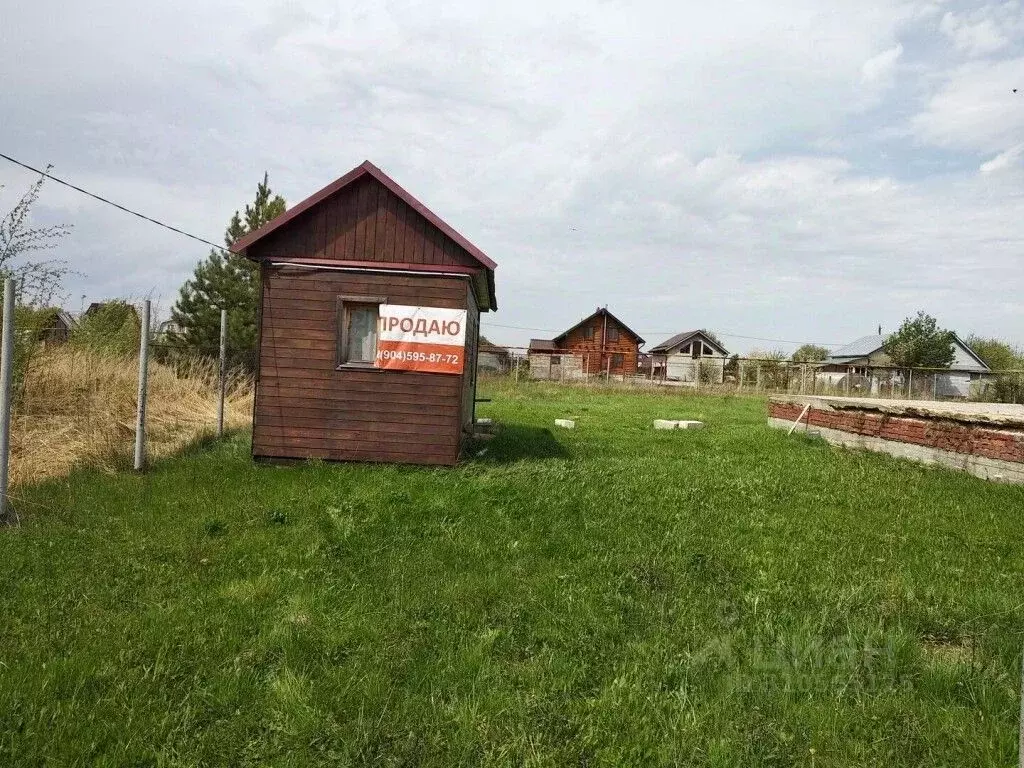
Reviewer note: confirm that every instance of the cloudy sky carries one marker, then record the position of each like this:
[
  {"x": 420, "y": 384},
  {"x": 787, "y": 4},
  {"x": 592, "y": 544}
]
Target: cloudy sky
[{"x": 792, "y": 170}]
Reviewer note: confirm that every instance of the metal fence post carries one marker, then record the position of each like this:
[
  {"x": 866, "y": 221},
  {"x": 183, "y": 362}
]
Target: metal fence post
[
  {"x": 223, "y": 371},
  {"x": 6, "y": 377},
  {"x": 140, "y": 417}
]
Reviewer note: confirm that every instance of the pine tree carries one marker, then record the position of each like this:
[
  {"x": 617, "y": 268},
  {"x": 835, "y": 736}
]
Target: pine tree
[{"x": 228, "y": 281}]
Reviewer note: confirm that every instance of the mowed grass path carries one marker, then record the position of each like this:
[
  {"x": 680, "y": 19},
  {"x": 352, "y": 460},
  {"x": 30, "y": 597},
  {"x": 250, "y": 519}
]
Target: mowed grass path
[{"x": 605, "y": 596}]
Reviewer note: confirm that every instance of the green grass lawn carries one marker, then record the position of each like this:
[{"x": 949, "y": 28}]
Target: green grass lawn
[{"x": 610, "y": 595}]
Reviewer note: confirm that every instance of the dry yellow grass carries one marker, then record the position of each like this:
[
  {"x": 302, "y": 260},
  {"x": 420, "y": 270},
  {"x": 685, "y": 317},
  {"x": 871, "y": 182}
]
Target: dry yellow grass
[{"x": 78, "y": 409}]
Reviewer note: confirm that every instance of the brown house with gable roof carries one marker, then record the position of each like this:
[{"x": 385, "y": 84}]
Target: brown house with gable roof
[{"x": 598, "y": 344}]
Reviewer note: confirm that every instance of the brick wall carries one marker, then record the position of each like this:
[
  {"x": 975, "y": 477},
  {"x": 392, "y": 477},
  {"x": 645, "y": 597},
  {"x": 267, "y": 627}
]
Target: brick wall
[{"x": 976, "y": 440}]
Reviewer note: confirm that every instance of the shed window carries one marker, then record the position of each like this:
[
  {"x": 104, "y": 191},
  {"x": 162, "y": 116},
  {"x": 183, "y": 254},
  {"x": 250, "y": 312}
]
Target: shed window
[
  {"x": 357, "y": 324},
  {"x": 613, "y": 333},
  {"x": 617, "y": 360},
  {"x": 556, "y": 359}
]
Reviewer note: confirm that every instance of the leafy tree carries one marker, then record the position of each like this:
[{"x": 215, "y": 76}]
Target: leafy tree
[
  {"x": 920, "y": 343},
  {"x": 225, "y": 281},
  {"x": 774, "y": 375},
  {"x": 39, "y": 282},
  {"x": 809, "y": 353},
  {"x": 771, "y": 355},
  {"x": 1006, "y": 360},
  {"x": 998, "y": 355}
]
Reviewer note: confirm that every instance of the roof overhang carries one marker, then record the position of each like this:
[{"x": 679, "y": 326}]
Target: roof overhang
[
  {"x": 485, "y": 291},
  {"x": 601, "y": 311}
]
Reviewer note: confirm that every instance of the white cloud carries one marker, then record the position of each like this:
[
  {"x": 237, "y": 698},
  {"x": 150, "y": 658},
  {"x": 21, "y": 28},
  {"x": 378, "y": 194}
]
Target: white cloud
[
  {"x": 881, "y": 68},
  {"x": 975, "y": 108},
  {"x": 985, "y": 30},
  {"x": 1003, "y": 160}
]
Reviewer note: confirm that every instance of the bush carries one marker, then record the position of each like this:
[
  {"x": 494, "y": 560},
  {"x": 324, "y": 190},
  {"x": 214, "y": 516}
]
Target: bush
[
  {"x": 111, "y": 328},
  {"x": 1008, "y": 388}
]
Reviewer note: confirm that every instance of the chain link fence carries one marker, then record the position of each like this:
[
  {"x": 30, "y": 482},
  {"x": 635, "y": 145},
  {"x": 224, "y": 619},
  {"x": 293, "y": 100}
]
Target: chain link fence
[
  {"x": 752, "y": 376},
  {"x": 75, "y": 396}
]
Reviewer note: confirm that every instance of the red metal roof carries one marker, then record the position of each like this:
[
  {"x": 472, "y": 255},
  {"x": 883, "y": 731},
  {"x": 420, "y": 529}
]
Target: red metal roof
[{"x": 244, "y": 243}]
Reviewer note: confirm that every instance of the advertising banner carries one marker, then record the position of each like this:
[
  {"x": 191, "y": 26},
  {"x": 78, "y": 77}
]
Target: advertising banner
[{"x": 425, "y": 339}]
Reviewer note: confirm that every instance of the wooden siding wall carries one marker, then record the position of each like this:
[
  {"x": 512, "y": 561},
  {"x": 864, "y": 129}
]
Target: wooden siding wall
[
  {"x": 306, "y": 408},
  {"x": 594, "y": 361},
  {"x": 469, "y": 371},
  {"x": 363, "y": 222}
]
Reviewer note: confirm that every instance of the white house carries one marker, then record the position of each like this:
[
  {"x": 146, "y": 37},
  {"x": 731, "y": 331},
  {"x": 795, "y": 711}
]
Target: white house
[{"x": 682, "y": 356}]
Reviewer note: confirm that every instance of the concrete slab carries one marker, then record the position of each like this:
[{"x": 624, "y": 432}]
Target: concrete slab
[
  {"x": 677, "y": 424},
  {"x": 996, "y": 414},
  {"x": 565, "y": 423}
]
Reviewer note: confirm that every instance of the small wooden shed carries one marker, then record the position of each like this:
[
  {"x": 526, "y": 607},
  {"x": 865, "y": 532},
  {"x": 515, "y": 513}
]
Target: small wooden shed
[{"x": 369, "y": 327}]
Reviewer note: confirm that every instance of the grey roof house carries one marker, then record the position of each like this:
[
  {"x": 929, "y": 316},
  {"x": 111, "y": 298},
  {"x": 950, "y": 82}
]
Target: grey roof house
[{"x": 866, "y": 362}]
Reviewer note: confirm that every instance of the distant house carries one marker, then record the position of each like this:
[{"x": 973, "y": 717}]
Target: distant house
[
  {"x": 598, "y": 344},
  {"x": 49, "y": 325},
  {"x": 492, "y": 358},
  {"x": 686, "y": 355},
  {"x": 167, "y": 331},
  {"x": 868, "y": 368}
]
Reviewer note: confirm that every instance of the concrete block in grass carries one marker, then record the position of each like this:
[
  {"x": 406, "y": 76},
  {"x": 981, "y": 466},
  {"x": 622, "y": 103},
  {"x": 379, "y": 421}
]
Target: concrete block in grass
[
  {"x": 565, "y": 423},
  {"x": 677, "y": 424}
]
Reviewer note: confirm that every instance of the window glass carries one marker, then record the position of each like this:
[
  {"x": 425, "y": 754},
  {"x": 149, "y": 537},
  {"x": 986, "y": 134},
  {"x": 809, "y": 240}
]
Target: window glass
[
  {"x": 616, "y": 361},
  {"x": 360, "y": 333},
  {"x": 613, "y": 333}
]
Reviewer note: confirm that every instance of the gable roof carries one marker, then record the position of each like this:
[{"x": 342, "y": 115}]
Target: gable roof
[
  {"x": 680, "y": 338},
  {"x": 862, "y": 347},
  {"x": 542, "y": 345},
  {"x": 366, "y": 168},
  {"x": 866, "y": 346},
  {"x": 971, "y": 352},
  {"x": 600, "y": 311}
]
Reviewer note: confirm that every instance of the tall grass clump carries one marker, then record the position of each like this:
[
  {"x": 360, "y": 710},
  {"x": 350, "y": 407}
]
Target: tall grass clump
[{"x": 76, "y": 407}]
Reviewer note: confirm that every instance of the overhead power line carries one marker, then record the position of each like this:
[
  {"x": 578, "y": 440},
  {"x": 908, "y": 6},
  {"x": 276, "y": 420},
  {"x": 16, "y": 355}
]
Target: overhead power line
[
  {"x": 670, "y": 333},
  {"x": 102, "y": 199},
  {"x": 204, "y": 241}
]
